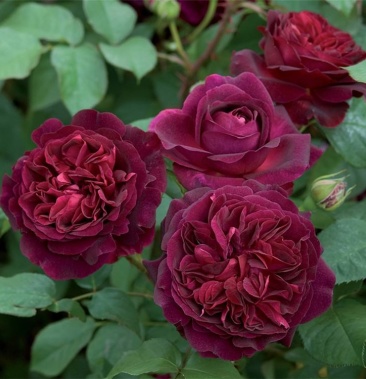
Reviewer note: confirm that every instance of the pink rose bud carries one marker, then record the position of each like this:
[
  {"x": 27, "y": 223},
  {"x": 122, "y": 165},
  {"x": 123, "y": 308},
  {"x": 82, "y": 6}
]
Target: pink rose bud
[{"x": 329, "y": 192}]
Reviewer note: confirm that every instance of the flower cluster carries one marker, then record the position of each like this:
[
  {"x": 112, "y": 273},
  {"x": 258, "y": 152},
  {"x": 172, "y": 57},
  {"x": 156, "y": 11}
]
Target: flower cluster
[{"x": 240, "y": 265}]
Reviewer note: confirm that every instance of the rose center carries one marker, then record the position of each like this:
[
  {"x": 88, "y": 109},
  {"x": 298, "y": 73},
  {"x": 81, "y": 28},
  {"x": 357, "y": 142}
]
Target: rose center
[{"x": 239, "y": 115}]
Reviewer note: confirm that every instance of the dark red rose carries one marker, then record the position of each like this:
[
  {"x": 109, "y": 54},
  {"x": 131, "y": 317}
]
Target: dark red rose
[
  {"x": 241, "y": 268},
  {"x": 86, "y": 194},
  {"x": 302, "y": 66},
  {"x": 228, "y": 131}
]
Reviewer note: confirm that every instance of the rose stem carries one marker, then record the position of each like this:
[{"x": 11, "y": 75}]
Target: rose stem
[
  {"x": 211, "y": 10},
  {"x": 189, "y": 79}
]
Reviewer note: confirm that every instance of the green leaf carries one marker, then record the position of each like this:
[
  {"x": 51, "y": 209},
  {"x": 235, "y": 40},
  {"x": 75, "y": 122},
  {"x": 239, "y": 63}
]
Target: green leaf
[
  {"x": 19, "y": 53},
  {"x": 72, "y": 307},
  {"x": 43, "y": 87},
  {"x": 95, "y": 280},
  {"x": 349, "y": 138},
  {"x": 82, "y": 76},
  {"x": 344, "y": 289},
  {"x": 142, "y": 124},
  {"x": 112, "y": 304},
  {"x": 338, "y": 336},
  {"x": 111, "y": 19},
  {"x": 344, "y": 6},
  {"x": 4, "y": 223},
  {"x": 208, "y": 368},
  {"x": 155, "y": 355},
  {"x": 123, "y": 275},
  {"x": 108, "y": 344},
  {"x": 58, "y": 343},
  {"x": 345, "y": 249},
  {"x": 21, "y": 294},
  {"x": 48, "y": 22},
  {"x": 353, "y": 210},
  {"x": 136, "y": 54},
  {"x": 358, "y": 71}
]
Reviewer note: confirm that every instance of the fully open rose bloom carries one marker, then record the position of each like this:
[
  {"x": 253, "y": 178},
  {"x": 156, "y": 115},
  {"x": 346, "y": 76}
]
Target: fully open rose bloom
[
  {"x": 301, "y": 66},
  {"x": 240, "y": 268},
  {"x": 228, "y": 131},
  {"x": 86, "y": 194}
]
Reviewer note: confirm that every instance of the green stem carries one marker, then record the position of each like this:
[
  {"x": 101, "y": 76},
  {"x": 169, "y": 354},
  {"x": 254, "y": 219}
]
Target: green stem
[
  {"x": 212, "y": 6},
  {"x": 141, "y": 294},
  {"x": 184, "y": 361},
  {"x": 192, "y": 72},
  {"x": 136, "y": 260},
  {"x": 83, "y": 296},
  {"x": 178, "y": 42}
]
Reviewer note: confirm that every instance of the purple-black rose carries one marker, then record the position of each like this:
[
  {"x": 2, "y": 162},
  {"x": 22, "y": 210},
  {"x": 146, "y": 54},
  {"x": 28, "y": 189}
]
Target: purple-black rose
[
  {"x": 86, "y": 194},
  {"x": 302, "y": 66},
  {"x": 228, "y": 130},
  {"x": 241, "y": 268}
]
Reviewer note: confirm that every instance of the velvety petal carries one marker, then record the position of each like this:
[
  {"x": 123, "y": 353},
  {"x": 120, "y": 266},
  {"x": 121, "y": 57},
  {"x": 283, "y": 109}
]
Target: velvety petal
[
  {"x": 58, "y": 267},
  {"x": 93, "y": 120},
  {"x": 50, "y": 126},
  {"x": 323, "y": 291}
]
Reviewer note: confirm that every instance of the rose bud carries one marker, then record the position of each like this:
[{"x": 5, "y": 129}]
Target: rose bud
[
  {"x": 241, "y": 268},
  {"x": 86, "y": 195},
  {"x": 166, "y": 9},
  {"x": 302, "y": 66},
  {"x": 228, "y": 130},
  {"x": 329, "y": 192}
]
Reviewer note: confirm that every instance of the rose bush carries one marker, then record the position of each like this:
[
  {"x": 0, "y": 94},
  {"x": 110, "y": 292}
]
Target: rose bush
[
  {"x": 86, "y": 194},
  {"x": 241, "y": 268},
  {"x": 302, "y": 66},
  {"x": 228, "y": 131}
]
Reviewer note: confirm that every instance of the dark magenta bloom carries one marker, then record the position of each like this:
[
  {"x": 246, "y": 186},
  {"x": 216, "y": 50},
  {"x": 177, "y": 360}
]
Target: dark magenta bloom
[
  {"x": 302, "y": 66},
  {"x": 228, "y": 130},
  {"x": 241, "y": 268},
  {"x": 86, "y": 194}
]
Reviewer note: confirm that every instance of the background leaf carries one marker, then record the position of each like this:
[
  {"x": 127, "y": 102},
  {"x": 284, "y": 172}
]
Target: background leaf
[
  {"x": 72, "y": 307},
  {"x": 13, "y": 146},
  {"x": 48, "y": 22},
  {"x": 4, "y": 223},
  {"x": 345, "y": 6},
  {"x": 136, "y": 54},
  {"x": 111, "y": 19},
  {"x": 82, "y": 76},
  {"x": 348, "y": 138},
  {"x": 112, "y": 304},
  {"x": 345, "y": 249},
  {"x": 58, "y": 343},
  {"x": 22, "y": 294},
  {"x": 358, "y": 71},
  {"x": 43, "y": 86},
  {"x": 19, "y": 53},
  {"x": 155, "y": 355},
  {"x": 108, "y": 345},
  {"x": 208, "y": 368},
  {"x": 338, "y": 336}
]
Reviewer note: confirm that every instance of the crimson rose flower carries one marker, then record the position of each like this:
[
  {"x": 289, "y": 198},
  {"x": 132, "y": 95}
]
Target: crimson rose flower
[
  {"x": 228, "y": 131},
  {"x": 301, "y": 66},
  {"x": 241, "y": 268},
  {"x": 86, "y": 194}
]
